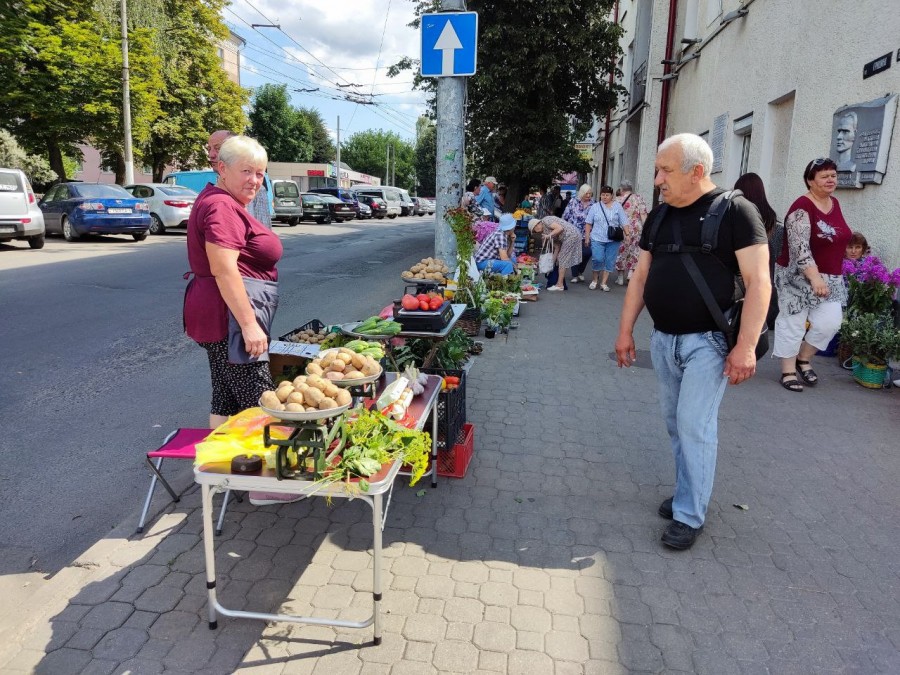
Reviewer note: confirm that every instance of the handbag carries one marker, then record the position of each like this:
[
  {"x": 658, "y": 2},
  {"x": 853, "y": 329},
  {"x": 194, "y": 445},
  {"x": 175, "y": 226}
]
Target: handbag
[
  {"x": 612, "y": 233},
  {"x": 546, "y": 262}
]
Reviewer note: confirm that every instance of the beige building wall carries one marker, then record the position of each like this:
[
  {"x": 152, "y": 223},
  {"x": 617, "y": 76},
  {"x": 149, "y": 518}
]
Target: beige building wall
[{"x": 773, "y": 79}]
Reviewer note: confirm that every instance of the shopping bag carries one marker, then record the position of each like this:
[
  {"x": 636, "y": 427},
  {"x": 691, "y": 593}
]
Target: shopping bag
[{"x": 545, "y": 260}]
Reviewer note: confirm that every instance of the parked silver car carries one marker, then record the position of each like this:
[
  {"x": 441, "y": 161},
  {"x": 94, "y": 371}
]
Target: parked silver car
[
  {"x": 20, "y": 217},
  {"x": 170, "y": 205}
]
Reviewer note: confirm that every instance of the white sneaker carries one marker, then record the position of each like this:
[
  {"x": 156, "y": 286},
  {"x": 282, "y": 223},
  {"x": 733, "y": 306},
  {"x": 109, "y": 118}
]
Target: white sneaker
[
  {"x": 581, "y": 277},
  {"x": 555, "y": 288},
  {"x": 593, "y": 286},
  {"x": 604, "y": 287},
  {"x": 273, "y": 498},
  {"x": 575, "y": 280},
  {"x": 620, "y": 281}
]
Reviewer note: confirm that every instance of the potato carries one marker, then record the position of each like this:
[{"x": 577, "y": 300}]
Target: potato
[
  {"x": 318, "y": 383},
  {"x": 283, "y": 392},
  {"x": 327, "y": 404},
  {"x": 313, "y": 397},
  {"x": 358, "y": 361},
  {"x": 354, "y": 375},
  {"x": 269, "y": 399},
  {"x": 344, "y": 350},
  {"x": 301, "y": 379},
  {"x": 343, "y": 397},
  {"x": 295, "y": 407},
  {"x": 331, "y": 390},
  {"x": 337, "y": 366},
  {"x": 296, "y": 397},
  {"x": 327, "y": 360},
  {"x": 314, "y": 369},
  {"x": 407, "y": 274},
  {"x": 331, "y": 375}
]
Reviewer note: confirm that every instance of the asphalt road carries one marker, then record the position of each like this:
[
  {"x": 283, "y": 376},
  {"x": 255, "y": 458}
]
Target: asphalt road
[{"x": 96, "y": 369}]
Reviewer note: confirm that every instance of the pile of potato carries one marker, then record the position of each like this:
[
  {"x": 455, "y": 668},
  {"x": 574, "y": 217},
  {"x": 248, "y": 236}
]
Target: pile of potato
[
  {"x": 343, "y": 364},
  {"x": 307, "y": 337},
  {"x": 430, "y": 268},
  {"x": 306, "y": 393}
]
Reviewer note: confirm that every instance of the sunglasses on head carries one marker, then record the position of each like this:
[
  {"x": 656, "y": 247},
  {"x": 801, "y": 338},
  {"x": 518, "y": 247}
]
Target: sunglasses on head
[{"x": 820, "y": 161}]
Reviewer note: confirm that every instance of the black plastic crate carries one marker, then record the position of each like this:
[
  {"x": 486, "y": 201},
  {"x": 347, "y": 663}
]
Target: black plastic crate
[
  {"x": 451, "y": 409},
  {"x": 314, "y": 325}
]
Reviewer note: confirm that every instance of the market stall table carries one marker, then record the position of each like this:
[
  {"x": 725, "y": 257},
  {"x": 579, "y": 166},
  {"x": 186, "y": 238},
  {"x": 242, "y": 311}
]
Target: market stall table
[
  {"x": 217, "y": 477},
  {"x": 435, "y": 336}
]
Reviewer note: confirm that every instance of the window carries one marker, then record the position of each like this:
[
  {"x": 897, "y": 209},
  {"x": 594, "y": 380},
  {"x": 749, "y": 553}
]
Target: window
[
  {"x": 713, "y": 11},
  {"x": 739, "y": 147}
]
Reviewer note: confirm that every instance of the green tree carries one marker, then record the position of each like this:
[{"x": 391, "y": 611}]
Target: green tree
[
  {"x": 426, "y": 157},
  {"x": 14, "y": 157},
  {"x": 284, "y": 132},
  {"x": 366, "y": 151},
  {"x": 197, "y": 97},
  {"x": 528, "y": 105},
  {"x": 322, "y": 147}
]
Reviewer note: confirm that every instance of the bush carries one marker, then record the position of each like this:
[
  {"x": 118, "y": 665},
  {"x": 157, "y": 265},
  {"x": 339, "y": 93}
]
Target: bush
[{"x": 12, "y": 156}]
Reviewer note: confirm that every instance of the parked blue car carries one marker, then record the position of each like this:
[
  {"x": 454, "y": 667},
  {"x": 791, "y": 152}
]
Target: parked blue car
[{"x": 76, "y": 209}]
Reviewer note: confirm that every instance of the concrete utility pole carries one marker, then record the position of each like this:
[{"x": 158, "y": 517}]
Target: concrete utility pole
[
  {"x": 337, "y": 168},
  {"x": 450, "y": 166},
  {"x": 126, "y": 98}
]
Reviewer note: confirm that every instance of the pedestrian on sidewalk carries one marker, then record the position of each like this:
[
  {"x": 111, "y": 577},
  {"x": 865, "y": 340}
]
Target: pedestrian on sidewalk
[
  {"x": 485, "y": 198},
  {"x": 603, "y": 215},
  {"x": 636, "y": 209},
  {"x": 575, "y": 213},
  {"x": 566, "y": 246},
  {"x": 690, "y": 355}
]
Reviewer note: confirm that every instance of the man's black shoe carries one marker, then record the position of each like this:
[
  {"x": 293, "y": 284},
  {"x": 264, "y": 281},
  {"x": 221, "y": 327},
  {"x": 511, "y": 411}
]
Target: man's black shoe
[
  {"x": 680, "y": 536},
  {"x": 665, "y": 509}
]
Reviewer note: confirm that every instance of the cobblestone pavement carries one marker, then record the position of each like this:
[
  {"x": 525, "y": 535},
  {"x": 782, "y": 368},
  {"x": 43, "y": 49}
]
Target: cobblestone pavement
[{"x": 546, "y": 557}]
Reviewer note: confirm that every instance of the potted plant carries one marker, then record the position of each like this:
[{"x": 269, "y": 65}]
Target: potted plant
[
  {"x": 492, "y": 310},
  {"x": 872, "y": 339},
  {"x": 872, "y": 286}
]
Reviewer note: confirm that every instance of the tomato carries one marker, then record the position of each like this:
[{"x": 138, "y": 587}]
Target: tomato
[
  {"x": 421, "y": 297},
  {"x": 424, "y": 306},
  {"x": 436, "y": 302},
  {"x": 409, "y": 302}
]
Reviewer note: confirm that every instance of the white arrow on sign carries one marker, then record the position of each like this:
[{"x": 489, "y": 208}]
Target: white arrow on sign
[{"x": 447, "y": 43}]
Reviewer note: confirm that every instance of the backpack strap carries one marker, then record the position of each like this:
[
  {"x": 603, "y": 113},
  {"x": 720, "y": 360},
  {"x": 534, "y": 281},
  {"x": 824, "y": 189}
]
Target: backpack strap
[{"x": 709, "y": 232}]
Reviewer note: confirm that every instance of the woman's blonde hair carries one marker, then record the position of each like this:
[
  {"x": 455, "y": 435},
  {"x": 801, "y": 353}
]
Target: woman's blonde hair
[
  {"x": 238, "y": 148},
  {"x": 583, "y": 190}
]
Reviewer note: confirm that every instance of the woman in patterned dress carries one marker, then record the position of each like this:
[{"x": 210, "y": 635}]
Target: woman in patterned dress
[
  {"x": 636, "y": 210},
  {"x": 575, "y": 213},
  {"x": 566, "y": 246},
  {"x": 811, "y": 289}
]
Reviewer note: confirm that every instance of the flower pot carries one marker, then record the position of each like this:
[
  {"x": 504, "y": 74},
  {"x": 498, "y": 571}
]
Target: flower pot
[
  {"x": 490, "y": 333},
  {"x": 869, "y": 375}
]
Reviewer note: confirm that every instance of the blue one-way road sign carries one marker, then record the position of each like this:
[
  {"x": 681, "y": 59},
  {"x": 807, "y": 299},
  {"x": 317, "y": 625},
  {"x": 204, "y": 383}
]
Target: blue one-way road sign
[{"x": 449, "y": 44}]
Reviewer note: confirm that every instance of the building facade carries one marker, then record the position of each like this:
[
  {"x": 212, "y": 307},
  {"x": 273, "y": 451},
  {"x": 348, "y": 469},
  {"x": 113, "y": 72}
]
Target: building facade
[
  {"x": 309, "y": 176},
  {"x": 769, "y": 84}
]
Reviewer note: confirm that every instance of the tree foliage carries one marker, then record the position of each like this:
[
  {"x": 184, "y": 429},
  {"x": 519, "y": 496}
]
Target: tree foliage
[
  {"x": 322, "y": 147},
  {"x": 426, "y": 157},
  {"x": 14, "y": 157},
  {"x": 61, "y": 68},
  {"x": 366, "y": 151},
  {"x": 283, "y": 131},
  {"x": 543, "y": 73}
]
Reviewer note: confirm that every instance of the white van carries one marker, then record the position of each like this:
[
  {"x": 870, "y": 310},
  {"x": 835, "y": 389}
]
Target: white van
[{"x": 390, "y": 195}]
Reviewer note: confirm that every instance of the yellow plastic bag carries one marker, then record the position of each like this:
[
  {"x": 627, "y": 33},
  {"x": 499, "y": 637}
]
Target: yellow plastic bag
[{"x": 241, "y": 434}]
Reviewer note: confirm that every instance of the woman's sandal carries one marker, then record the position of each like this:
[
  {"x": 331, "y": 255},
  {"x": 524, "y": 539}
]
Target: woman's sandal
[
  {"x": 809, "y": 375},
  {"x": 792, "y": 384}
]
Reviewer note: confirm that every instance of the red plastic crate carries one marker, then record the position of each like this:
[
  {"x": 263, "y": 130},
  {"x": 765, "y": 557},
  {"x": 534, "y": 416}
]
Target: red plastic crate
[{"x": 454, "y": 462}]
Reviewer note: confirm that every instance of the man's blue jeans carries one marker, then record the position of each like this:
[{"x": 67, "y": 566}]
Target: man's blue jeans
[
  {"x": 691, "y": 385},
  {"x": 503, "y": 267}
]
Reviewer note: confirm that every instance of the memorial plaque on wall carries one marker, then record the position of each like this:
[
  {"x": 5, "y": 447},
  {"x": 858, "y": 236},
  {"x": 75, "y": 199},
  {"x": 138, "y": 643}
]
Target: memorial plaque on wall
[
  {"x": 717, "y": 142},
  {"x": 860, "y": 141}
]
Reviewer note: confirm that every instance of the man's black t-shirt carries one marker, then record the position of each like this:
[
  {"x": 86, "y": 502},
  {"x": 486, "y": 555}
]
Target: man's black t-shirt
[{"x": 671, "y": 297}]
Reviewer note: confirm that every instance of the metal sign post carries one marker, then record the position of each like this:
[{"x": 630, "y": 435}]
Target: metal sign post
[{"x": 449, "y": 52}]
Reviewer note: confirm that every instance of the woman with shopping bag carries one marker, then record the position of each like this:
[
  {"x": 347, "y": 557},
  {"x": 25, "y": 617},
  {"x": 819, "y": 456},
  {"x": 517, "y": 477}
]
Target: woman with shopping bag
[
  {"x": 604, "y": 227},
  {"x": 564, "y": 243}
]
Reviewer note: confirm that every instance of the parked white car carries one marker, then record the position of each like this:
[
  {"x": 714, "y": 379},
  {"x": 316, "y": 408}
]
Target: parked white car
[
  {"x": 170, "y": 205},
  {"x": 20, "y": 217}
]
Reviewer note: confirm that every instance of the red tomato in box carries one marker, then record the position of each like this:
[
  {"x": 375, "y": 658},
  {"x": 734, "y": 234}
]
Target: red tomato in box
[
  {"x": 409, "y": 302},
  {"x": 424, "y": 306},
  {"x": 436, "y": 302}
]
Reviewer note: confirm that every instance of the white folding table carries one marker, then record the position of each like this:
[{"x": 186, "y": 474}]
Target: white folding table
[{"x": 217, "y": 477}]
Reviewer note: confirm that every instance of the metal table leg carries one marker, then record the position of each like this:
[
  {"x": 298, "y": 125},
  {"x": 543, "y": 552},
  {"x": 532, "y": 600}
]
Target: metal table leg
[
  {"x": 434, "y": 446},
  {"x": 377, "y": 524},
  {"x": 209, "y": 553}
]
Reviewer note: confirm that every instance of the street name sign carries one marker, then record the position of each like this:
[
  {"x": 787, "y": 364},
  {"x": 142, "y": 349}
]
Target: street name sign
[{"x": 449, "y": 44}]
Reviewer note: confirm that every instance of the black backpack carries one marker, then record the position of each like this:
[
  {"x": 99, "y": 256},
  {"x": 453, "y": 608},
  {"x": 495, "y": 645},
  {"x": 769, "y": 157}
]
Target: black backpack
[{"x": 729, "y": 322}]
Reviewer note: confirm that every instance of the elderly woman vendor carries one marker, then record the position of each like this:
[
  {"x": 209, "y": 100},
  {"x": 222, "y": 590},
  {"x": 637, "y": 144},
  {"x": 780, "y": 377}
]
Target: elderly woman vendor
[
  {"x": 231, "y": 299},
  {"x": 566, "y": 240}
]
